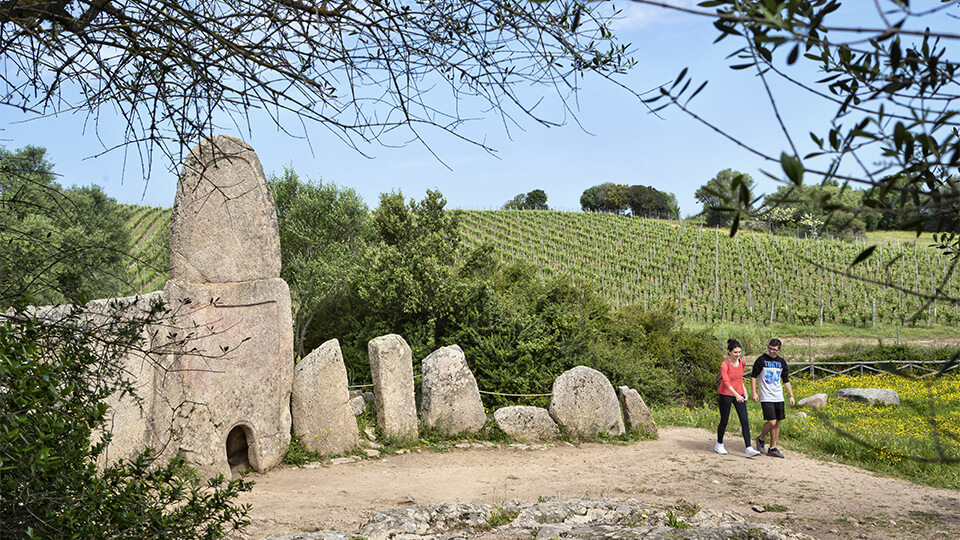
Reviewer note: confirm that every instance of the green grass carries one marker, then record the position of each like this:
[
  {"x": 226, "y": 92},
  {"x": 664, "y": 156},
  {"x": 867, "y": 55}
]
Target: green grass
[
  {"x": 919, "y": 440},
  {"x": 804, "y": 342}
]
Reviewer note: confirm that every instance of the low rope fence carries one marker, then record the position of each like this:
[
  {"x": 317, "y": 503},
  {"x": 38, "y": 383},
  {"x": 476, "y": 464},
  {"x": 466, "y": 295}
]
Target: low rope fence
[
  {"x": 353, "y": 386},
  {"x": 824, "y": 370}
]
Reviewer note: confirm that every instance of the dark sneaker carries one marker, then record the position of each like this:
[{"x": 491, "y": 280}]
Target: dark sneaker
[
  {"x": 774, "y": 452},
  {"x": 760, "y": 445}
]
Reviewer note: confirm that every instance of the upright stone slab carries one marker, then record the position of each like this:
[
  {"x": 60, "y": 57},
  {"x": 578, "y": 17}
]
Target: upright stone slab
[
  {"x": 583, "y": 402},
  {"x": 449, "y": 396},
  {"x": 636, "y": 415},
  {"x": 323, "y": 419},
  {"x": 391, "y": 367},
  {"x": 230, "y": 386}
]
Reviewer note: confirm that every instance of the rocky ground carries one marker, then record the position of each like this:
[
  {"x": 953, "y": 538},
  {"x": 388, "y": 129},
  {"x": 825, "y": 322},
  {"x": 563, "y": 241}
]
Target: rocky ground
[{"x": 678, "y": 474}]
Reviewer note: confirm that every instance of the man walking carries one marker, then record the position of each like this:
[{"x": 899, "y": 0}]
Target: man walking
[{"x": 771, "y": 369}]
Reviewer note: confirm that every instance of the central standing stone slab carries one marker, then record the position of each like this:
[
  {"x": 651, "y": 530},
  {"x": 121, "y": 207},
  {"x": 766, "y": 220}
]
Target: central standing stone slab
[
  {"x": 225, "y": 396},
  {"x": 391, "y": 367}
]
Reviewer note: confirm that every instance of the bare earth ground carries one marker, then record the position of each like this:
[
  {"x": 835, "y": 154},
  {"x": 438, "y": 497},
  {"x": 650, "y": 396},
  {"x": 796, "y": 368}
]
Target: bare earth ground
[{"x": 825, "y": 500}]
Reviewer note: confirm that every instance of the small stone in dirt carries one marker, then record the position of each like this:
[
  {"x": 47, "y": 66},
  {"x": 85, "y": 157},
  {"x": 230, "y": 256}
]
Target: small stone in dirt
[
  {"x": 341, "y": 460},
  {"x": 369, "y": 432},
  {"x": 370, "y": 452},
  {"x": 716, "y": 481},
  {"x": 553, "y": 530},
  {"x": 408, "y": 499},
  {"x": 758, "y": 509},
  {"x": 463, "y": 445}
]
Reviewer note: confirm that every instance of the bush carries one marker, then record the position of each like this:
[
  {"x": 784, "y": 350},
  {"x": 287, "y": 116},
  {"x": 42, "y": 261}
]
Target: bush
[{"x": 53, "y": 382}]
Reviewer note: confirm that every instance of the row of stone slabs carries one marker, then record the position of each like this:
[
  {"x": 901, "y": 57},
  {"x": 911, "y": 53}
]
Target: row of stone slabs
[{"x": 583, "y": 402}]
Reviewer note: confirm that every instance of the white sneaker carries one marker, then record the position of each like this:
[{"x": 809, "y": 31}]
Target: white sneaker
[
  {"x": 720, "y": 449},
  {"x": 751, "y": 452}
]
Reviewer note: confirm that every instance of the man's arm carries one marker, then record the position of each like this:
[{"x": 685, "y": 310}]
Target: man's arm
[
  {"x": 753, "y": 389},
  {"x": 790, "y": 390}
]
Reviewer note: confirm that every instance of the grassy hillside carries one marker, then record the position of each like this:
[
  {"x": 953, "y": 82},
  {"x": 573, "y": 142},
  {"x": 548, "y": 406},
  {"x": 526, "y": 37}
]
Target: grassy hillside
[
  {"x": 752, "y": 278},
  {"x": 710, "y": 277}
]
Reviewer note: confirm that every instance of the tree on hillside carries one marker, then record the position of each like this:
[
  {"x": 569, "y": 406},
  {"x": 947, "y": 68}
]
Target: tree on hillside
[
  {"x": 606, "y": 197},
  {"x": 645, "y": 201},
  {"x": 174, "y": 71},
  {"x": 719, "y": 192},
  {"x": 792, "y": 206},
  {"x": 535, "y": 200},
  {"x": 324, "y": 232},
  {"x": 56, "y": 245}
]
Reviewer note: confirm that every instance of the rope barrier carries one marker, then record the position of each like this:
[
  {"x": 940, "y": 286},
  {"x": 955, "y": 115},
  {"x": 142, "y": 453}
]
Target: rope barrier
[
  {"x": 514, "y": 395},
  {"x": 481, "y": 391}
]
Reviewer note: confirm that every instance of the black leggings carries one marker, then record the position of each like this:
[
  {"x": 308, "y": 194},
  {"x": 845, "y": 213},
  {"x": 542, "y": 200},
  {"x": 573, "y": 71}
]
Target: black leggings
[{"x": 724, "y": 402}]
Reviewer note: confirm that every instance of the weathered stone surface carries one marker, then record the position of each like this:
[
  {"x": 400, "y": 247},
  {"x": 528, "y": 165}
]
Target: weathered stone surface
[
  {"x": 871, "y": 396},
  {"x": 585, "y": 403},
  {"x": 224, "y": 224},
  {"x": 128, "y": 420},
  {"x": 318, "y": 535},
  {"x": 357, "y": 405},
  {"x": 813, "y": 402},
  {"x": 524, "y": 423},
  {"x": 391, "y": 367},
  {"x": 636, "y": 415},
  {"x": 450, "y": 398},
  {"x": 573, "y": 519},
  {"x": 322, "y": 417},
  {"x": 236, "y": 372}
]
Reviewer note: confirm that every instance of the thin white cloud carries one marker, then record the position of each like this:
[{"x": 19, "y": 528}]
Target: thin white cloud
[{"x": 637, "y": 15}]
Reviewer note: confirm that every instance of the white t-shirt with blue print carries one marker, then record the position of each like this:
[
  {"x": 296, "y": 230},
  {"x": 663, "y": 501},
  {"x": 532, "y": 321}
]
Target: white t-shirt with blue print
[{"x": 770, "y": 373}]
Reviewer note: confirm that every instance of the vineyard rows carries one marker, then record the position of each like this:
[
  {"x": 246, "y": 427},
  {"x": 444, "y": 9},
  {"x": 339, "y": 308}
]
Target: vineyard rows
[
  {"x": 710, "y": 277},
  {"x": 148, "y": 269},
  {"x": 705, "y": 274}
]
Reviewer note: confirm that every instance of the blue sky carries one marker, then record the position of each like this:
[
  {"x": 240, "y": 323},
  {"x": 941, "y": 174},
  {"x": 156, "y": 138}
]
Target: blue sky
[{"x": 616, "y": 140}]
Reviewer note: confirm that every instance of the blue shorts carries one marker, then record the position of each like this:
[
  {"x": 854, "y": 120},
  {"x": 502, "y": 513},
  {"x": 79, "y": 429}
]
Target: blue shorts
[{"x": 773, "y": 410}]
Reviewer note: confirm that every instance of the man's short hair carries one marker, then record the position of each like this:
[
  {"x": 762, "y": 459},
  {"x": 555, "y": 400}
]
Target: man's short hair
[{"x": 775, "y": 343}]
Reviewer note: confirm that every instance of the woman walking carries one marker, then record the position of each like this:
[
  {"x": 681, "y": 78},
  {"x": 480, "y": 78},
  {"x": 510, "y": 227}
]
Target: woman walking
[{"x": 733, "y": 392}]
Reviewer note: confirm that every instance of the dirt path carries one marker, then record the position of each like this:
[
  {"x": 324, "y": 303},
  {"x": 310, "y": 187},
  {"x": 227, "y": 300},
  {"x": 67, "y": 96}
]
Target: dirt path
[{"x": 824, "y": 500}]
